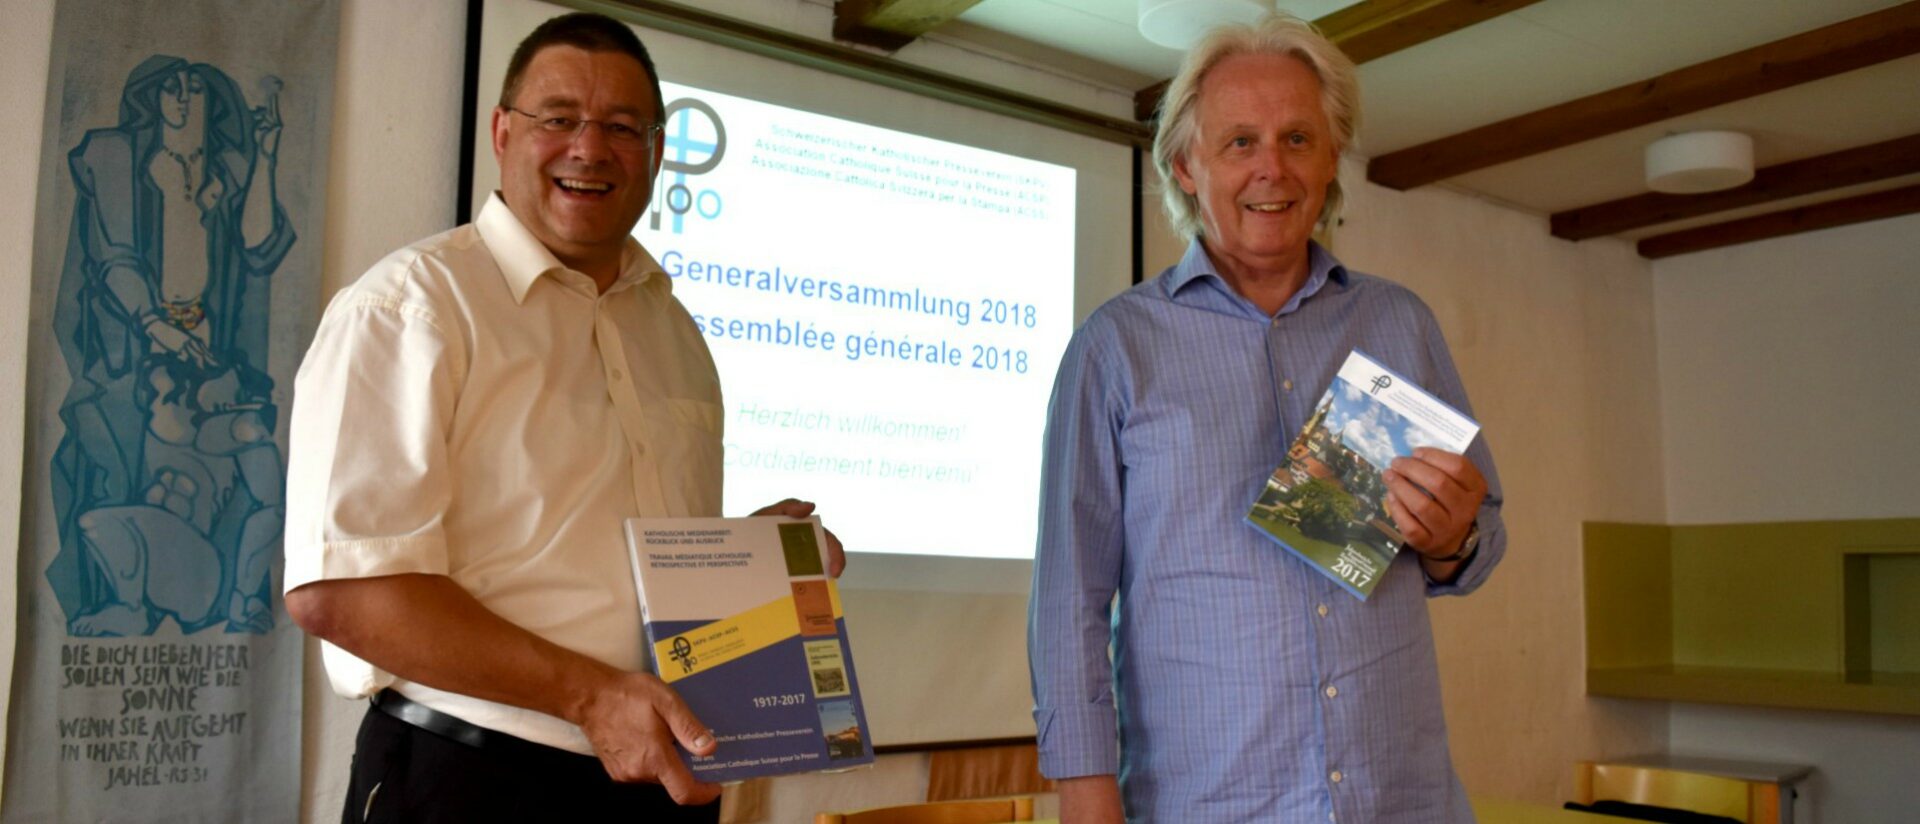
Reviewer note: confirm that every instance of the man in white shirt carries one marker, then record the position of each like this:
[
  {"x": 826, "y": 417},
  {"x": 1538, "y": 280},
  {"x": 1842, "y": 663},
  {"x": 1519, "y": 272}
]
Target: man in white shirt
[{"x": 477, "y": 416}]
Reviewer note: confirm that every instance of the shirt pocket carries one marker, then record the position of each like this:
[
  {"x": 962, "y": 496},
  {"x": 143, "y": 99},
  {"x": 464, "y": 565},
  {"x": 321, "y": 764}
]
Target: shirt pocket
[
  {"x": 701, "y": 414},
  {"x": 690, "y": 455}
]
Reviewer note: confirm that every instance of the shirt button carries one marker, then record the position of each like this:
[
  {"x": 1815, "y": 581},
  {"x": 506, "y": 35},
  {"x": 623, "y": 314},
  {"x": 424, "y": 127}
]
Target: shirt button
[
  {"x": 1334, "y": 776},
  {"x": 1287, "y": 385},
  {"x": 1322, "y": 610},
  {"x": 1332, "y": 691},
  {"x": 617, "y": 377}
]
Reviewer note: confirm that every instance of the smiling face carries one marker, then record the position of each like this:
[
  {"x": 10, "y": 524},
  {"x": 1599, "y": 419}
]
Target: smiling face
[
  {"x": 1262, "y": 157},
  {"x": 579, "y": 193}
]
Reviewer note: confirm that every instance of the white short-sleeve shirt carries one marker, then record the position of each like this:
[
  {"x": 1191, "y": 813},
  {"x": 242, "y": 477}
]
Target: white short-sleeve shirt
[{"x": 472, "y": 408}]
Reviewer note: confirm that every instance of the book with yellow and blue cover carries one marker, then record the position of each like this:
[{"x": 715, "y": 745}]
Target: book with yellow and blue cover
[{"x": 743, "y": 622}]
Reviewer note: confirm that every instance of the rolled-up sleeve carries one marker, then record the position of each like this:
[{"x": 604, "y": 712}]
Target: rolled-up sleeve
[
  {"x": 368, "y": 481},
  {"x": 1077, "y": 564}
]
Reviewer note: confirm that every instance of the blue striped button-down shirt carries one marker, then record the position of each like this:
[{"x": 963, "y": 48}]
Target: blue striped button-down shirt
[{"x": 1244, "y": 685}]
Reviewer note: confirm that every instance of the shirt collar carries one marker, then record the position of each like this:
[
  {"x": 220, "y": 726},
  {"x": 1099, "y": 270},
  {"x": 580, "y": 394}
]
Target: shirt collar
[
  {"x": 523, "y": 259},
  {"x": 1322, "y": 266}
]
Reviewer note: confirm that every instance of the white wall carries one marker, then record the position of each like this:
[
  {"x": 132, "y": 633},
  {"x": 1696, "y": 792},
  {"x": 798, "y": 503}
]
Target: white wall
[
  {"x": 1794, "y": 352},
  {"x": 1787, "y": 370},
  {"x": 393, "y": 179},
  {"x": 1863, "y": 763},
  {"x": 24, "y": 46}
]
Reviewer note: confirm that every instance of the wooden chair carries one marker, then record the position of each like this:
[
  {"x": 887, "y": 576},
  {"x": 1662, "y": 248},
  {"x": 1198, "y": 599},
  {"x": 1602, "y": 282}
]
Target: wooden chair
[
  {"x": 992, "y": 811},
  {"x": 1754, "y": 802}
]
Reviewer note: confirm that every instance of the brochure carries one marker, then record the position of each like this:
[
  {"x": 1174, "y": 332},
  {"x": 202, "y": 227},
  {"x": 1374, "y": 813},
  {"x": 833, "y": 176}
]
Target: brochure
[
  {"x": 743, "y": 622},
  {"x": 1327, "y": 503}
]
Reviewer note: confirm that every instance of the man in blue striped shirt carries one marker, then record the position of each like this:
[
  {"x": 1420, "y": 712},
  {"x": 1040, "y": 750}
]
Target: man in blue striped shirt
[{"x": 1243, "y": 684}]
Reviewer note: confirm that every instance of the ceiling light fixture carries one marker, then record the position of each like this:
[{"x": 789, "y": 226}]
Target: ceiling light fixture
[
  {"x": 1178, "y": 24},
  {"x": 1694, "y": 162}
]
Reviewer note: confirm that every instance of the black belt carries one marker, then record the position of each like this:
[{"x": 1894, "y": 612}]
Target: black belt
[
  {"x": 446, "y": 726},
  {"x": 435, "y": 721}
]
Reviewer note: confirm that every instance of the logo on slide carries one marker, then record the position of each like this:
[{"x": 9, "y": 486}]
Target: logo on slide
[
  {"x": 696, "y": 141},
  {"x": 1382, "y": 382}
]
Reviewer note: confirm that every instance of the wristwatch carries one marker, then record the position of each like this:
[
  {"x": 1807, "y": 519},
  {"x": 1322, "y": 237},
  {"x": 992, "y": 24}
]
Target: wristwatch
[{"x": 1466, "y": 547}]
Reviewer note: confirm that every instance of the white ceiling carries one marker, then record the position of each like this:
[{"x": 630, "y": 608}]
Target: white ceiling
[
  {"x": 1102, "y": 29},
  {"x": 1546, "y": 53}
]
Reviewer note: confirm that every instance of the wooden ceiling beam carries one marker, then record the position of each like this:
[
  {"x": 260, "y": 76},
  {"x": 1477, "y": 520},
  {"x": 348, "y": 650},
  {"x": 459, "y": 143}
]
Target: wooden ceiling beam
[
  {"x": 1879, "y": 161},
  {"x": 1851, "y": 44},
  {"x": 1372, "y": 29},
  {"x": 1860, "y": 209},
  {"x": 892, "y": 24},
  {"x": 677, "y": 17},
  {"x": 1146, "y": 102}
]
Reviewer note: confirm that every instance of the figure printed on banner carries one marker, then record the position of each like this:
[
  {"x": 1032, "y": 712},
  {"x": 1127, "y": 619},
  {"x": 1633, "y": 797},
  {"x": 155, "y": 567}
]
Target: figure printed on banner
[{"x": 167, "y": 483}]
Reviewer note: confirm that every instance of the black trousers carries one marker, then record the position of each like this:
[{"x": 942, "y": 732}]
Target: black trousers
[{"x": 402, "y": 773}]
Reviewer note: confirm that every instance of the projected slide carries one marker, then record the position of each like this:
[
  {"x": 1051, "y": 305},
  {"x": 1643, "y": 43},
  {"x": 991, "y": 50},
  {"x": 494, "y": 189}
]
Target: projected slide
[{"x": 887, "y": 312}]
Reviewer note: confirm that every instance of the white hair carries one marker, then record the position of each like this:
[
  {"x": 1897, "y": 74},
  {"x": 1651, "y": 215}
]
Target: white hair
[{"x": 1279, "y": 33}]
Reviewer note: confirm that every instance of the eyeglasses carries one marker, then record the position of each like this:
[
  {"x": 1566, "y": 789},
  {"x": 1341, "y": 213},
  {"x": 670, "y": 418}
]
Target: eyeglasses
[{"x": 619, "y": 134}]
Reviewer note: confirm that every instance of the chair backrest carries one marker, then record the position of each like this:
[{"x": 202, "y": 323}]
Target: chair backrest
[
  {"x": 994, "y": 811},
  {"x": 1755, "y": 802}
]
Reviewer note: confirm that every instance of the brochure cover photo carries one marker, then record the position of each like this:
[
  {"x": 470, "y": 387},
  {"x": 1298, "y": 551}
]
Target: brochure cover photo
[
  {"x": 743, "y": 622},
  {"x": 1327, "y": 503}
]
